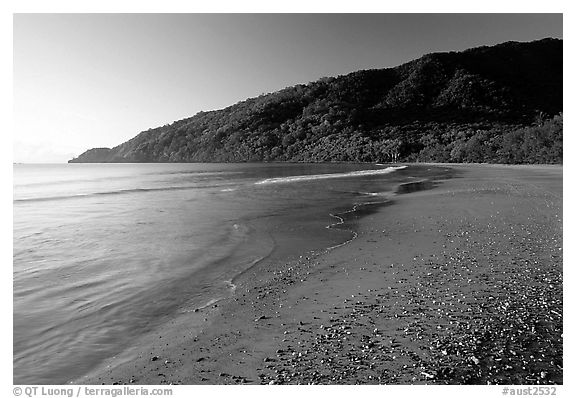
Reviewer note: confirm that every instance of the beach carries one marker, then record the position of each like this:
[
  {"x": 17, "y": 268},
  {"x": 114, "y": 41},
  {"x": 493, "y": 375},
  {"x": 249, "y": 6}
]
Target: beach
[{"x": 456, "y": 283}]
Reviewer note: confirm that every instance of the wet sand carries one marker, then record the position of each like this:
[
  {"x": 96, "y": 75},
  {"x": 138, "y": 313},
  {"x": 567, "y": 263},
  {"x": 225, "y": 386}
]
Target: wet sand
[{"x": 458, "y": 284}]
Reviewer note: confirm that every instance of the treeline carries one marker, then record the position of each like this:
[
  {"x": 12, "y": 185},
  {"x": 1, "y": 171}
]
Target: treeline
[
  {"x": 489, "y": 104},
  {"x": 539, "y": 143}
]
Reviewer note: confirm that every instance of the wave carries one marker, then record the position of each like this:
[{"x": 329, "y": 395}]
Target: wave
[
  {"x": 117, "y": 192},
  {"x": 109, "y": 178},
  {"x": 195, "y": 172},
  {"x": 377, "y": 194},
  {"x": 312, "y": 177}
]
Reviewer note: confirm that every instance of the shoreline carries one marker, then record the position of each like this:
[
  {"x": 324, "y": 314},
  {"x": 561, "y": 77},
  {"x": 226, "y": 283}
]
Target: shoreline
[
  {"x": 321, "y": 318},
  {"x": 204, "y": 314}
]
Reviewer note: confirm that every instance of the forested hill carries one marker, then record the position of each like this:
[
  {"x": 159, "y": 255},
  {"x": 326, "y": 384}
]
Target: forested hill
[{"x": 489, "y": 104}]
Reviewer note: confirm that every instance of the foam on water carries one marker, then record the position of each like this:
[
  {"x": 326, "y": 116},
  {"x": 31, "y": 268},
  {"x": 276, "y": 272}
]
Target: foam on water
[{"x": 359, "y": 173}]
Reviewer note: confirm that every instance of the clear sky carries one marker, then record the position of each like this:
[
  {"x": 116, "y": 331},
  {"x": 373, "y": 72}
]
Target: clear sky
[{"x": 97, "y": 80}]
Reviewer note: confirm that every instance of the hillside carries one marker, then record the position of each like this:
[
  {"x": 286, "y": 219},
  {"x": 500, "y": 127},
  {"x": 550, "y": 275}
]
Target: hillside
[{"x": 488, "y": 104}]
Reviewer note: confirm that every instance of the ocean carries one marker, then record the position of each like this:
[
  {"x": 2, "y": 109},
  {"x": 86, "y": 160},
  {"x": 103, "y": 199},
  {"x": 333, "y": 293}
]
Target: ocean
[{"x": 103, "y": 253}]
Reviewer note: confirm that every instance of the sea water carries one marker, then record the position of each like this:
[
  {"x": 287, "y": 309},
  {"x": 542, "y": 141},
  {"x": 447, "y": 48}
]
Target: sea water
[{"x": 105, "y": 252}]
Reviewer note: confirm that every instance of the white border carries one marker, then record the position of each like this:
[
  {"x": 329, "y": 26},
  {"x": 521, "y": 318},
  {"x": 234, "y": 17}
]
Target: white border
[{"x": 299, "y": 6}]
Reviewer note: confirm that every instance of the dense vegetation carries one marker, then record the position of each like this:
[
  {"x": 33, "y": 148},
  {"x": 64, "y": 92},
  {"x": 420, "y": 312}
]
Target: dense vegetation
[{"x": 490, "y": 104}]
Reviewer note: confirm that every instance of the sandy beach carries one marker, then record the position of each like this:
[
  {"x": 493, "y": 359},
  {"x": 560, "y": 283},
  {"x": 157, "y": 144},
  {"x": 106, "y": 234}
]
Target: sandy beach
[{"x": 457, "y": 284}]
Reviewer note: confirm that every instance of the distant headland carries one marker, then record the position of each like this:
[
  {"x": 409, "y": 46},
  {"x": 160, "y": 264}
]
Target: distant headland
[{"x": 498, "y": 104}]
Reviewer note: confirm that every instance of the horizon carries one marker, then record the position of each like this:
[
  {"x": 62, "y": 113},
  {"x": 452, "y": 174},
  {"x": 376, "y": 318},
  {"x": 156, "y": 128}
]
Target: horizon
[{"x": 145, "y": 71}]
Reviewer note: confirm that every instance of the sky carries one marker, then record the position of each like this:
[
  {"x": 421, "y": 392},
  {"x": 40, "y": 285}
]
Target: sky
[{"x": 96, "y": 80}]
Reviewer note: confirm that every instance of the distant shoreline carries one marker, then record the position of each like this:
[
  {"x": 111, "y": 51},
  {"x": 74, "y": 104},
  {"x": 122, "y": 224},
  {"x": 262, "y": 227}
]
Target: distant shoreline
[{"x": 293, "y": 162}]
